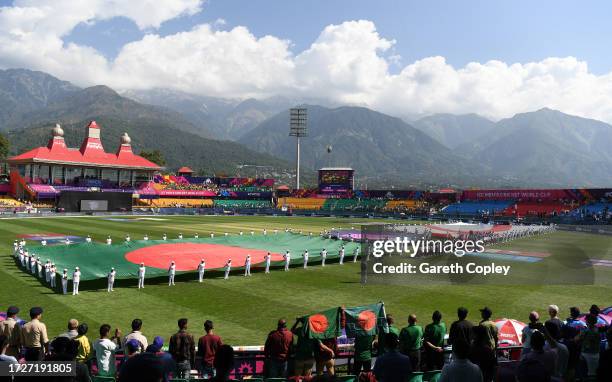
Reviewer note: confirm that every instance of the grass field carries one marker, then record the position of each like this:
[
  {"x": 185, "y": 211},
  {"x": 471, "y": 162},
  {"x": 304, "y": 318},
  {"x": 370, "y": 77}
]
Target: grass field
[{"x": 246, "y": 309}]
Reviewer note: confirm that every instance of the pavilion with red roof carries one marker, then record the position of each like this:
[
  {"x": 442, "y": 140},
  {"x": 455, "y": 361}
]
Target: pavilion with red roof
[{"x": 46, "y": 171}]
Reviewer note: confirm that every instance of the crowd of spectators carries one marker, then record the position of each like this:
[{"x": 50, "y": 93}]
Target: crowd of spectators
[{"x": 556, "y": 350}]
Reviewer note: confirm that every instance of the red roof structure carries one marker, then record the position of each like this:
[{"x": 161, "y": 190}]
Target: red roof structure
[
  {"x": 91, "y": 152},
  {"x": 185, "y": 170}
]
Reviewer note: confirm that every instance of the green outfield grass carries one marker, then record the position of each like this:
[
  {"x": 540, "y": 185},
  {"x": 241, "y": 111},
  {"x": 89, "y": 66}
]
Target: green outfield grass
[{"x": 246, "y": 309}]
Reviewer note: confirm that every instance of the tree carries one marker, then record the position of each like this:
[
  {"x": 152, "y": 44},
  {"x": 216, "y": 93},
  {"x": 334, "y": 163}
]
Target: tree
[
  {"x": 4, "y": 147},
  {"x": 154, "y": 156}
]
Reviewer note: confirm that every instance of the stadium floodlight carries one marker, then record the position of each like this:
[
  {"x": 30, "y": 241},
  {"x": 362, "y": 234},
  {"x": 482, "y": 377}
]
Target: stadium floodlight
[{"x": 297, "y": 128}]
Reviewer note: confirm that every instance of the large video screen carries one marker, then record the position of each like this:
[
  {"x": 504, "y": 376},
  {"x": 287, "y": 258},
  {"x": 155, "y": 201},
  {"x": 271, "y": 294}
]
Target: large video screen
[
  {"x": 94, "y": 205},
  {"x": 335, "y": 180}
]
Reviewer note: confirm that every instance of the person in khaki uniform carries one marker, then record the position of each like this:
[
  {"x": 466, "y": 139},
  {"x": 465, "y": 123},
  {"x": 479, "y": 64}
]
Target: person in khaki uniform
[
  {"x": 34, "y": 336},
  {"x": 11, "y": 329}
]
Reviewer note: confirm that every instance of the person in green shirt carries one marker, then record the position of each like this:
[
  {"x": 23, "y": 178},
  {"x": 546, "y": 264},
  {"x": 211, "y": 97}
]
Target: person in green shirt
[
  {"x": 363, "y": 353},
  {"x": 486, "y": 314},
  {"x": 433, "y": 340},
  {"x": 303, "y": 350},
  {"x": 411, "y": 341},
  {"x": 391, "y": 329}
]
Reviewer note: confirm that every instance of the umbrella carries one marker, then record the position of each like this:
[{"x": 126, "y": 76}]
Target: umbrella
[
  {"x": 607, "y": 311},
  {"x": 509, "y": 331},
  {"x": 602, "y": 320}
]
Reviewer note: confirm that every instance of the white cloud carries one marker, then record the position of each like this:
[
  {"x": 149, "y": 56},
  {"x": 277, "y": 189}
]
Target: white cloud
[{"x": 349, "y": 62}]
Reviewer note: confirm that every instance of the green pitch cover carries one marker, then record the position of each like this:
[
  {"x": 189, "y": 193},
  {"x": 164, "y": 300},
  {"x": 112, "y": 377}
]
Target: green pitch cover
[
  {"x": 323, "y": 325},
  {"x": 366, "y": 320}
]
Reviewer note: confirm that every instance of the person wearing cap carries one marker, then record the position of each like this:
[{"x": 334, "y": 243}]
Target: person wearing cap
[
  {"x": 39, "y": 267},
  {"x": 76, "y": 280},
  {"x": 109, "y": 241},
  {"x": 276, "y": 350},
  {"x": 305, "y": 257},
  {"x": 47, "y": 271},
  {"x": 182, "y": 349},
  {"x": 132, "y": 348},
  {"x": 52, "y": 275},
  {"x": 72, "y": 333},
  {"x": 323, "y": 257},
  {"x": 164, "y": 237},
  {"x": 247, "y": 265},
  {"x": 171, "y": 273},
  {"x": 492, "y": 332},
  {"x": 341, "y": 254},
  {"x": 65, "y": 281},
  {"x": 267, "y": 259},
  {"x": 146, "y": 237},
  {"x": 104, "y": 349},
  {"x": 34, "y": 336},
  {"x": 201, "y": 270},
  {"x": 128, "y": 238},
  {"x": 168, "y": 363},
  {"x": 228, "y": 268},
  {"x": 287, "y": 258},
  {"x": 111, "y": 280},
  {"x": 12, "y": 331},
  {"x": 141, "y": 275},
  {"x": 88, "y": 239}
]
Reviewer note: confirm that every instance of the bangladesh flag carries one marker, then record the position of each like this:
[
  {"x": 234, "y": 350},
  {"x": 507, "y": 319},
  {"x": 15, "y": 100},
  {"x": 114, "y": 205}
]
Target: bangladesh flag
[
  {"x": 323, "y": 325},
  {"x": 366, "y": 320}
]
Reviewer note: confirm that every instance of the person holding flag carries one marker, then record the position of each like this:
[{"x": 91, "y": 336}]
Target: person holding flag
[
  {"x": 247, "y": 265},
  {"x": 171, "y": 273},
  {"x": 267, "y": 259},
  {"x": 65, "y": 281},
  {"x": 305, "y": 259},
  {"x": 228, "y": 268},
  {"x": 76, "y": 280},
  {"x": 201, "y": 269},
  {"x": 141, "y": 275},
  {"x": 287, "y": 258},
  {"x": 323, "y": 257}
]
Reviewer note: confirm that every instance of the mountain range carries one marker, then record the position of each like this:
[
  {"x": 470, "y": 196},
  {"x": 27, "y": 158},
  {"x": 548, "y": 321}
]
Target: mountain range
[{"x": 543, "y": 148}]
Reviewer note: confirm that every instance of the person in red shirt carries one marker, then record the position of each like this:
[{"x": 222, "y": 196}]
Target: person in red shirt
[
  {"x": 276, "y": 350},
  {"x": 207, "y": 349}
]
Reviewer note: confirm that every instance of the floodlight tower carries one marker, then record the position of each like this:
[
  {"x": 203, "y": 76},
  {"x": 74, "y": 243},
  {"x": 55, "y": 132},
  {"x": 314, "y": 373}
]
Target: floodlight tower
[{"x": 297, "y": 129}]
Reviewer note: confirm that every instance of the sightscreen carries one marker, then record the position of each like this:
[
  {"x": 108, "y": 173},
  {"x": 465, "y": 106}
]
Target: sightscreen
[{"x": 94, "y": 205}]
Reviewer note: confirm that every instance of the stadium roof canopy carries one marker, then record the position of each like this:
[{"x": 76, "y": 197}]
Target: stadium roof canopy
[{"x": 90, "y": 154}]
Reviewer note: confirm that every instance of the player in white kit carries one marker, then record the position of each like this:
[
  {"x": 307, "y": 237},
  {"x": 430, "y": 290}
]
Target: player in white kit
[
  {"x": 265, "y": 232},
  {"x": 196, "y": 236},
  {"x": 141, "y": 275},
  {"x": 323, "y": 257},
  {"x": 146, "y": 238},
  {"x": 109, "y": 241},
  {"x": 212, "y": 235},
  {"x": 76, "y": 280},
  {"x": 247, "y": 265},
  {"x": 47, "y": 270},
  {"x": 228, "y": 268},
  {"x": 21, "y": 257},
  {"x": 287, "y": 257},
  {"x": 39, "y": 267},
  {"x": 65, "y": 281},
  {"x": 171, "y": 273},
  {"x": 33, "y": 264},
  {"x": 342, "y": 255},
  {"x": 43, "y": 243},
  {"x": 267, "y": 259},
  {"x": 201, "y": 269},
  {"x": 355, "y": 254},
  {"x": 88, "y": 239},
  {"x": 111, "y": 280},
  {"x": 52, "y": 275},
  {"x": 305, "y": 255},
  {"x": 180, "y": 236},
  {"x": 128, "y": 238},
  {"x": 165, "y": 237}
]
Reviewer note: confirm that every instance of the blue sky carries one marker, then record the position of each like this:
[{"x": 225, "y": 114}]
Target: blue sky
[{"x": 461, "y": 31}]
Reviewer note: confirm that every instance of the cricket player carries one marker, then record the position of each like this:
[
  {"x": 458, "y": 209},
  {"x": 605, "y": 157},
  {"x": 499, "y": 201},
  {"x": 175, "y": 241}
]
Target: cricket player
[
  {"x": 171, "y": 273},
  {"x": 241, "y": 233},
  {"x": 141, "y": 275},
  {"x": 180, "y": 236},
  {"x": 225, "y": 234},
  {"x": 196, "y": 236},
  {"x": 305, "y": 255},
  {"x": 355, "y": 254},
  {"x": 109, "y": 241},
  {"x": 265, "y": 232},
  {"x": 267, "y": 258},
  {"x": 67, "y": 240},
  {"x": 247, "y": 265},
  {"x": 252, "y": 233},
  {"x": 212, "y": 235},
  {"x": 323, "y": 257},
  {"x": 43, "y": 242},
  {"x": 111, "y": 280},
  {"x": 47, "y": 270},
  {"x": 201, "y": 269},
  {"x": 128, "y": 238},
  {"x": 146, "y": 238},
  {"x": 76, "y": 280},
  {"x": 164, "y": 237},
  {"x": 287, "y": 257},
  {"x": 228, "y": 268},
  {"x": 39, "y": 267},
  {"x": 65, "y": 281},
  {"x": 33, "y": 264},
  {"x": 52, "y": 275},
  {"x": 15, "y": 247},
  {"x": 342, "y": 255},
  {"x": 21, "y": 257},
  {"x": 88, "y": 239}
]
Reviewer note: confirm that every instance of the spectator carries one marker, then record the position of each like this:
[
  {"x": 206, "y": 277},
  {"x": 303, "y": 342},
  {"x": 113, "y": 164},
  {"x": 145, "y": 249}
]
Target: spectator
[
  {"x": 534, "y": 324},
  {"x": 553, "y": 312},
  {"x": 392, "y": 366},
  {"x": 72, "y": 332},
  {"x": 145, "y": 367},
  {"x": 4, "y": 345},
  {"x": 553, "y": 338},
  {"x": 104, "y": 349},
  {"x": 604, "y": 371},
  {"x": 325, "y": 354},
  {"x": 84, "y": 351},
  {"x": 546, "y": 357},
  {"x": 168, "y": 363},
  {"x": 570, "y": 331},
  {"x": 224, "y": 363},
  {"x": 12, "y": 331},
  {"x": 136, "y": 334},
  {"x": 411, "y": 342},
  {"x": 486, "y": 314},
  {"x": 34, "y": 336},
  {"x": 481, "y": 353},
  {"x": 276, "y": 350},
  {"x": 304, "y": 350},
  {"x": 461, "y": 369},
  {"x": 207, "y": 348},
  {"x": 65, "y": 349},
  {"x": 589, "y": 344},
  {"x": 182, "y": 349},
  {"x": 433, "y": 341},
  {"x": 573, "y": 322},
  {"x": 462, "y": 328}
]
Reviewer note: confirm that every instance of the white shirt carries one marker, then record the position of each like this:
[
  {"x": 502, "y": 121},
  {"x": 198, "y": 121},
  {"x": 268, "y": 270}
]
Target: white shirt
[
  {"x": 228, "y": 265},
  {"x": 306, "y": 255},
  {"x": 88, "y": 239},
  {"x": 172, "y": 269},
  {"x": 201, "y": 267},
  {"x": 141, "y": 271},
  {"x": 247, "y": 261},
  {"x": 105, "y": 354},
  {"x": 109, "y": 241},
  {"x": 268, "y": 259},
  {"x": 76, "y": 277},
  {"x": 111, "y": 275}
]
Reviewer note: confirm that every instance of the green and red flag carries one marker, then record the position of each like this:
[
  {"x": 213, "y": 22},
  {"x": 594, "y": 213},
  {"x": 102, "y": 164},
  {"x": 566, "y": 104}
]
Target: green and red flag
[
  {"x": 323, "y": 325},
  {"x": 365, "y": 320}
]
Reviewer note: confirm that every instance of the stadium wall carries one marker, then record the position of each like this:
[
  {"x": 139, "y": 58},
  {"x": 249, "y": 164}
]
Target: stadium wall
[{"x": 70, "y": 201}]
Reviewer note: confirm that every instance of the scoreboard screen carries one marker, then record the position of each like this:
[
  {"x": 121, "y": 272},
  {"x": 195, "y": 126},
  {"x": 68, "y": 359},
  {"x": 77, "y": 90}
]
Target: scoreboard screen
[{"x": 335, "y": 180}]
